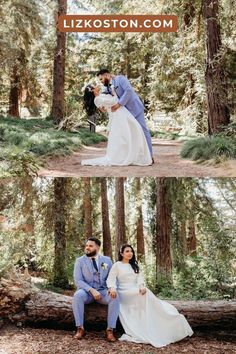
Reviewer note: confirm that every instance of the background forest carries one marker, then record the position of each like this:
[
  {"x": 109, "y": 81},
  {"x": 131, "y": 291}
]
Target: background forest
[
  {"x": 183, "y": 229},
  {"x": 186, "y": 79}
]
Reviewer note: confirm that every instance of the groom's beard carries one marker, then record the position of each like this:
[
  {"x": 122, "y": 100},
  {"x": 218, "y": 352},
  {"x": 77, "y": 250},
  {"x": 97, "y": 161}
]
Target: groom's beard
[
  {"x": 91, "y": 254},
  {"x": 106, "y": 82}
]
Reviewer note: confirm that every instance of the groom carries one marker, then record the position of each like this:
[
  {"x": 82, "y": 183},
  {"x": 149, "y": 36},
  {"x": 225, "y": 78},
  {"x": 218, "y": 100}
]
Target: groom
[
  {"x": 128, "y": 98},
  {"x": 90, "y": 274}
]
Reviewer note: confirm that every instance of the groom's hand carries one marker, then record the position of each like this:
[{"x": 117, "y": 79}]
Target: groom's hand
[
  {"x": 102, "y": 109},
  {"x": 112, "y": 293},
  {"x": 115, "y": 107},
  {"x": 95, "y": 294}
]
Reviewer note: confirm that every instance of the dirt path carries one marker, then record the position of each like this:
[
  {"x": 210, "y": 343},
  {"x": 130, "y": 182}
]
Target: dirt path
[
  {"x": 15, "y": 340},
  {"x": 168, "y": 163}
]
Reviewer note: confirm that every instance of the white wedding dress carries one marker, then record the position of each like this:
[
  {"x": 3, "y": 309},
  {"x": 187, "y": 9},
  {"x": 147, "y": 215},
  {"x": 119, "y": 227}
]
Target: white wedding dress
[
  {"x": 145, "y": 318},
  {"x": 127, "y": 144}
]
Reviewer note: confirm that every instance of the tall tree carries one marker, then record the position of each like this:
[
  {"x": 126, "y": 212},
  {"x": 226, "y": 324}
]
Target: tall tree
[
  {"x": 21, "y": 27},
  {"x": 58, "y": 99},
  {"x": 163, "y": 231},
  {"x": 120, "y": 213},
  {"x": 60, "y": 277},
  {"x": 192, "y": 239},
  {"x": 107, "y": 249},
  {"x": 88, "y": 222},
  {"x": 218, "y": 110},
  {"x": 14, "y": 93},
  {"x": 139, "y": 227}
]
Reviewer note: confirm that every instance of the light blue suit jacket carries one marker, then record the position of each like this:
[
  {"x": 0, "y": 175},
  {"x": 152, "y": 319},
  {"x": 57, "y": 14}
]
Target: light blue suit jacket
[
  {"x": 84, "y": 272},
  {"x": 127, "y": 96}
]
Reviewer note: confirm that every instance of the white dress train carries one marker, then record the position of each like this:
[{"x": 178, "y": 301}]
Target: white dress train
[
  {"x": 127, "y": 144},
  {"x": 145, "y": 318}
]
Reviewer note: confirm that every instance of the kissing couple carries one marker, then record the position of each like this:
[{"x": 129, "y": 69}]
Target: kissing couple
[
  {"x": 129, "y": 140},
  {"x": 121, "y": 286}
]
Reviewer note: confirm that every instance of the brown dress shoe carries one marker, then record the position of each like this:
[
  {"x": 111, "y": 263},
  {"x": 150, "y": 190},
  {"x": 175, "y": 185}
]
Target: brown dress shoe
[
  {"x": 80, "y": 333},
  {"x": 110, "y": 336}
]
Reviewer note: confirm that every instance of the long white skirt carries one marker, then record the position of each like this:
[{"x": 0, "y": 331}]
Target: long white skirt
[
  {"x": 127, "y": 144},
  {"x": 147, "y": 319}
]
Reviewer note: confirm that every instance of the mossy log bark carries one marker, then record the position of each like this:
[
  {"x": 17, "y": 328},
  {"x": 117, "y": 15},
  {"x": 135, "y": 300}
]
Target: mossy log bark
[{"x": 23, "y": 303}]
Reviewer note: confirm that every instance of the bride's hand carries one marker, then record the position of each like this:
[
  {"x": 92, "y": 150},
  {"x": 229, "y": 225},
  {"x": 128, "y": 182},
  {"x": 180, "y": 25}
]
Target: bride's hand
[
  {"x": 142, "y": 291},
  {"x": 112, "y": 293}
]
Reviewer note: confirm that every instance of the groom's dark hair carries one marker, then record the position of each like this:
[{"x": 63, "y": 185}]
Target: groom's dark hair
[
  {"x": 95, "y": 239},
  {"x": 103, "y": 71}
]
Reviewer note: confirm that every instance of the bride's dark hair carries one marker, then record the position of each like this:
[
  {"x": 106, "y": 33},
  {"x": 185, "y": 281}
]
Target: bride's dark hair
[
  {"x": 133, "y": 262},
  {"x": 89, "y": 105}
]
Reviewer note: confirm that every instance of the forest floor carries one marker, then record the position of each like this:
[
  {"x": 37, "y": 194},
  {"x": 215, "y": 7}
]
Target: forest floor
[
  {"x": 27, "y": 340},
  {"x": 168, "y": 163}
]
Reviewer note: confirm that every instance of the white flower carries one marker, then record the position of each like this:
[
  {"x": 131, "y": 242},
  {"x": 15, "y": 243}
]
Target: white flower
[{"x": 104, "y": 266}]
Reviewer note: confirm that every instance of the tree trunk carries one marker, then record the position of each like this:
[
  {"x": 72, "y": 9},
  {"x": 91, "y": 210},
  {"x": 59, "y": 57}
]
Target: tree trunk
[
  {"x": 107, "y": 249},
  {"x": 192, "y": 239},
  {"x": 120, "y": 213},
  {"x": 163, "y": 231},
  {"x": 189, "y": 13},
  {"x": 58, "y": 99},
  {"x": 139, "y": 229},
  {"x": 14, "y": 93},
  {"x": 92, "y": 123},
  {"x": 88, "y": 228},
  {"x": 183, "y": 238},
  {"x": 180, "y": 242},
  {"x": 60, "y": 277},
  {"x": 23, "y": 303},
  {"x": 218, "y": 110}
]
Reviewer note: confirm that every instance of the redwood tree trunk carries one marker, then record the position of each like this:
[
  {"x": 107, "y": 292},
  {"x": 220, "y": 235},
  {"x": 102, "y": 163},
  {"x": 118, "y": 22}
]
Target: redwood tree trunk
[
  {"x": 189, "y": 13},
  {"x": 60, "y": 277},
  {"x": 58, "y": 99},
  {"x": 88, "y": 229},
  {"x": 218, "y": 110},
  {"x": 14, "y": 93},
  {"x": 192, "y": 239},
  {"x": 163, "y": 231},
  {"x": 120, "y": 213},
  {"x": 107, "y": 249},
  {"x": 139, "y": 230}
]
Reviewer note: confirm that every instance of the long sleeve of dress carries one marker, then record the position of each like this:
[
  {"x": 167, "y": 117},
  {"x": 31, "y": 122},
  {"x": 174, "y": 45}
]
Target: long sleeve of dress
[
  {"x": 104, "y": 100},
  {"x": 140, "y": 279},
  {"x": 112, "y": 277}
]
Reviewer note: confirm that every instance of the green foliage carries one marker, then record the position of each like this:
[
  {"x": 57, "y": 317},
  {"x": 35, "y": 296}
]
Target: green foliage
[
  {"x": 27, "y": 236},
  {"x": 166, "y": 69},
  {"x": 24, "y": 142},
  {"x": 213, "y": 147},
  {"x": 165, "y": 135}
]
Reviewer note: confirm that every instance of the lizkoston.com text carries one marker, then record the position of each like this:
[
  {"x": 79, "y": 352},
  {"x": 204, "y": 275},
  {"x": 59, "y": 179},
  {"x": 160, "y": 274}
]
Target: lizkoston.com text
[{"x": 116, "y": 23}]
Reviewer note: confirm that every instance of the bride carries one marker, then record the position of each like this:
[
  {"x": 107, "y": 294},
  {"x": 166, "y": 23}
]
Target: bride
[
  {"x": 145, "y": 318},
  {"x": 127, "y": 144}
]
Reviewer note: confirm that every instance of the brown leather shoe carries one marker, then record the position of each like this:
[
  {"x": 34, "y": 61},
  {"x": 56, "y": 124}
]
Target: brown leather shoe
[
  {"x": 80, "y": 333},
  {"x": 110, "y": 336}
]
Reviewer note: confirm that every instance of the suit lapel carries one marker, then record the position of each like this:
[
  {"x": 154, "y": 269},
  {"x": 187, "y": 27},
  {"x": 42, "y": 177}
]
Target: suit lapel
[{"x": 89, "y": 264}]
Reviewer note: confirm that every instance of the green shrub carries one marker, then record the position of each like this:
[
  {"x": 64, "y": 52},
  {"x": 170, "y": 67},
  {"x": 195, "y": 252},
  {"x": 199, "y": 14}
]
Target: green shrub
[
  {"x": 213, "y": 147},
  {"x": 24, "y": 142}
]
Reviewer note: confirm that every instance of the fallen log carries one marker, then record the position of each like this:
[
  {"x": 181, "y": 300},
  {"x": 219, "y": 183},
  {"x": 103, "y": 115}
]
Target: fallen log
[{"x": 23, "y": 303}]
